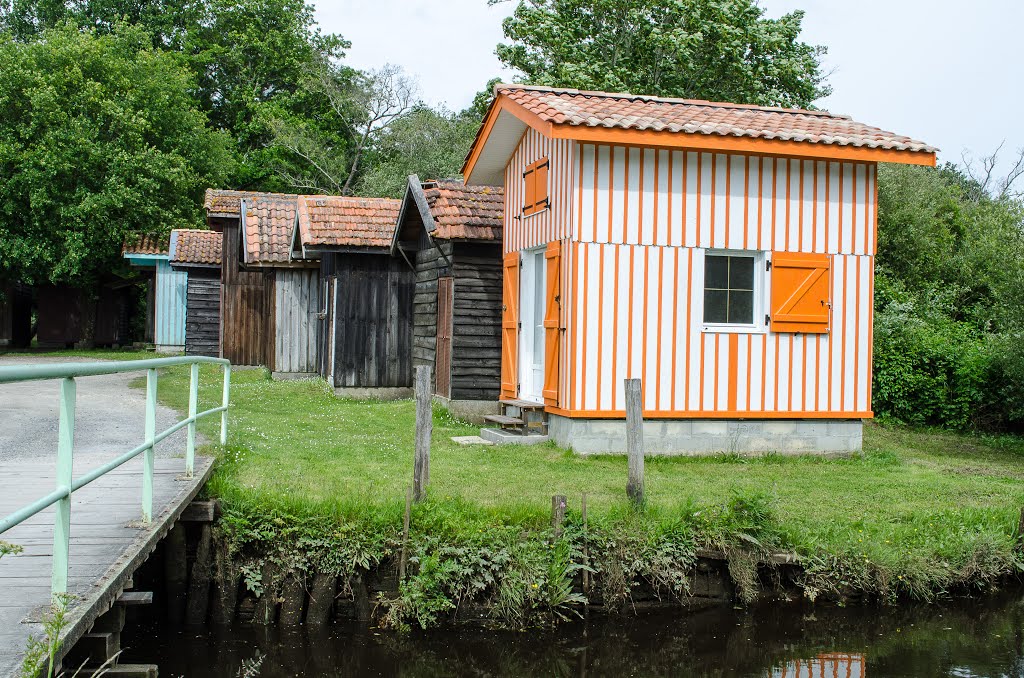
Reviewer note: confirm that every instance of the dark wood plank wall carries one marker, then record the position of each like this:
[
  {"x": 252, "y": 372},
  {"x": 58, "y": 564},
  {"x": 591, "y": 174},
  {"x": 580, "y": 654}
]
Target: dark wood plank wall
[
  {"x": 371, "y": 320},
  {"x": 247, "y": 307},
  {"x": 202, "y": 312},
  {"x": 476, "y": 335},
  {"x": 429, "y": 266}
]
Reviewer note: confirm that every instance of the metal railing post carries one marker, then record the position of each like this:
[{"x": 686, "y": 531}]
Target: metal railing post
[
  {"x": 193, "y": 406},
  {"x": 149, "y": 456},
  {"x": 62, "y": 520},
  {"x": 224, "y": 414}
]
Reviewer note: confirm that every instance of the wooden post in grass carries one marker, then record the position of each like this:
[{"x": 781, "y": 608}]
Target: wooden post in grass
[
  {"x": 586, "y": 548},
  {"x": 635, "y": 441},
  {"x": 424, "y": 427},
  {"x": 405, "y": 536},
  {"x": 559, "y": 503}
]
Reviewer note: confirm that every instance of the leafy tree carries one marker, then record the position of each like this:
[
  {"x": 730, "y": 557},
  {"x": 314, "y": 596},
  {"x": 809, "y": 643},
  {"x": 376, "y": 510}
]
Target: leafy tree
[
  {"x": 431, "y": 143},
  {"x": 100, "y": 138},
  {"x": 249, "y": 58},
  {"x": 722, "y": 50}
]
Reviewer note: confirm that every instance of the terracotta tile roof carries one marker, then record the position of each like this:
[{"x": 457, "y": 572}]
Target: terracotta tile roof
[
  {"x": 465, "y": 212},
  {"x": 627, "y": 111},
  {"x": 326, "y": 221},
  {"x": 192, "y": 246},
  {"x": 145, "y": 244},
  {"x": 268, "y": 225},
  {"x": 225, "y": 203}
]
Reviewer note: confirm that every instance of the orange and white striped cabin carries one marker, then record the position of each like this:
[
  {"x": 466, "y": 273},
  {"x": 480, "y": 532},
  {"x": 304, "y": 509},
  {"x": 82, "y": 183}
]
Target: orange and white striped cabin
[{"x": 722, "y": 253}]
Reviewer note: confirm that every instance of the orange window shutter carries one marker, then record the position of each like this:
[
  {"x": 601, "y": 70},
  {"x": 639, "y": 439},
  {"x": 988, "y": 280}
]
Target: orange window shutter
[
  {"x": 530, "y": 192},
  {"x": 801, "y": 292},
  {"x": 552, "y": 321},
  {"x": 540, "y": 191},
  {"x": 510, "y": 326}
]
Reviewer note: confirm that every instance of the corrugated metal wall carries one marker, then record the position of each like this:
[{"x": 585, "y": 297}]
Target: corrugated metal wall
[
  {"x": 171, "y": 291},
  {"x": 643, "y": 220},
  {"x": 296, "y": 304}
]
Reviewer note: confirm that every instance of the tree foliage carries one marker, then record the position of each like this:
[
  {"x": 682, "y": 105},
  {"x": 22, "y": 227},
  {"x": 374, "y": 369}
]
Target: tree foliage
[
  {"x": 948, "y": 316},
  {"x": 100, "y": 138},
  {"x": 722, "y": 50}
]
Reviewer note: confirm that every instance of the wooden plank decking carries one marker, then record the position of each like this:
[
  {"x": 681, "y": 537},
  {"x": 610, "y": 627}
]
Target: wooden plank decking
[{"x": 107, "y": 542}]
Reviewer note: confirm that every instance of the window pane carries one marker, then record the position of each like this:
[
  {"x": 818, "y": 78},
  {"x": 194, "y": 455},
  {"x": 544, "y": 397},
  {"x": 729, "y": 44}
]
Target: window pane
[
  {"x": 741, "y": 273},
  {"x": 715, "y": 306},
  {"x": 716, "y": 272},
  {"x": 741, "y": 307}
]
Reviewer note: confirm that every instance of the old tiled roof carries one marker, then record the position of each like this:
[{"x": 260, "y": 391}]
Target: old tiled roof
[
  {"x": 630, "y": 112},
  {"x": 145, "y": 244},
  {"x": 225, "y": 203},
  {"x": 326, "y": 221},
  {"x": 267, "y": 227},
  {"x": 463, "y": 212},
  {"x": 190, "y": 246}
]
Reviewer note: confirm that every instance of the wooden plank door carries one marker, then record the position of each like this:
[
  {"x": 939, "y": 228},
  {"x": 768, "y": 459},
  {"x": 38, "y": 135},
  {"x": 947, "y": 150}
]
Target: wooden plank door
[{"x": 443, "y": 351}]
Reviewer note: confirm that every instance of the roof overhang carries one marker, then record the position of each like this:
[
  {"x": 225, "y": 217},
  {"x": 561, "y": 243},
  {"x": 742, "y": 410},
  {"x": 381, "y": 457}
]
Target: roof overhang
[
  {"x": 506, "y": 122},
  {"x": 414, "y": 205},
  {"x": 145, "y": 260}
]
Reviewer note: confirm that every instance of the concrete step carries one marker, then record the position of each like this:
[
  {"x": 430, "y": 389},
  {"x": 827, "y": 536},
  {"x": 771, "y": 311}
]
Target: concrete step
[{"x": 505, "y": 437}]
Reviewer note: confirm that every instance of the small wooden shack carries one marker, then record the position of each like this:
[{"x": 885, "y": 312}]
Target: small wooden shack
[
  {"x": 269, "y": 303},
  {"x": 15, "y": 316},
  {"x": 721, "y": 253},
  {"x": 198, "y": 253},
  {"x": 451, "y": 233},
  {"x": 167, "y": 292},
  {"x": 365, "y": 339}
]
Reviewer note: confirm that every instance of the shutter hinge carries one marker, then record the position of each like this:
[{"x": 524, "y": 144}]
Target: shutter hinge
[
  {"x": 767, "y": 264},
  {"x": 767, "y": 320}
]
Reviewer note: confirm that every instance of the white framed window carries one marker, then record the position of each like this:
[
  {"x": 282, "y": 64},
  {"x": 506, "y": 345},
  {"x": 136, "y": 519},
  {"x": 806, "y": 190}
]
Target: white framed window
[{"x": 734, "y": 291}]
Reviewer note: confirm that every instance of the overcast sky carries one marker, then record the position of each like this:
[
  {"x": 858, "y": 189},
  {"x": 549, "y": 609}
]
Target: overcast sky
[{"x": 944, "y": 71}]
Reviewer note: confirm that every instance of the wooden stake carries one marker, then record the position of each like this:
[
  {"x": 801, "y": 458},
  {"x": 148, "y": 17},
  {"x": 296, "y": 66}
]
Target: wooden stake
[
  {"x": 403, "y": 561},
  {"x": 558, "y": 506},
  {"x": 586, "y": 548},
  {"x": 424, "y": 428},
  {"x": 635, "y": 441}
]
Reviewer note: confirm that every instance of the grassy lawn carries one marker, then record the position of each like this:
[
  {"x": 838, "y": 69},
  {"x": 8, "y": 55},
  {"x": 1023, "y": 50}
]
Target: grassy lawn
[{"x": 917, "y": 512}]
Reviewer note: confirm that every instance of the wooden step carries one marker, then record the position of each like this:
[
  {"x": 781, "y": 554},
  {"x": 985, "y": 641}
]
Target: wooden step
[
  {"x": 132, "y": 671},
  {"x": 503, "y": 420},
  {"x": 522, "y": 404},
  {"x": 129, "y": 598}
]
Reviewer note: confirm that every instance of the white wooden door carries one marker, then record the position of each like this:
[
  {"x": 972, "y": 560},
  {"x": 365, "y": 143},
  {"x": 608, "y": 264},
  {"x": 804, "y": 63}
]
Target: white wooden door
[{"x": 531, "y": 328}]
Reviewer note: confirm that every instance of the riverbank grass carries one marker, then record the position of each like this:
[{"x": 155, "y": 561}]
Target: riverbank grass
[{"x": 916, "y": 512}]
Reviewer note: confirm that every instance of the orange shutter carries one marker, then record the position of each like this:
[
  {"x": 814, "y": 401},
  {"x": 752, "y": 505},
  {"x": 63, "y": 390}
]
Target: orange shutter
[
  {"x": 552, "y": 321},
  {"x": 801, "y": 299},
  {"x": 510, "y": 326},
  {"x": 536, "y": 194}
]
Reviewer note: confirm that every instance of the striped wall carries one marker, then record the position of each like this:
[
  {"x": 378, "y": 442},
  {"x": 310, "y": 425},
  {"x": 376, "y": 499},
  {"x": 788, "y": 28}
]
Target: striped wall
[
  {"x": 639, "y": 222},
  {"x": 525, "y": 232},
  {"x": 638, "y": 314},
  {"x": 700, "y": 199},
  {"x": 169, "y": 319}
]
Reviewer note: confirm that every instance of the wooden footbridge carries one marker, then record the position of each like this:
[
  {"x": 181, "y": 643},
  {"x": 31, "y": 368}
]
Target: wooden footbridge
[{"x": 82, "y": 524}]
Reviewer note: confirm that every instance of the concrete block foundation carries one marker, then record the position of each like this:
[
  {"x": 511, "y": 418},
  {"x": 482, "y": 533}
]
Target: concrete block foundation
[
  {"x": 472, "y": 411},
  {"x": 381, "y": 393},
  {"x": 712, "y": 436}
]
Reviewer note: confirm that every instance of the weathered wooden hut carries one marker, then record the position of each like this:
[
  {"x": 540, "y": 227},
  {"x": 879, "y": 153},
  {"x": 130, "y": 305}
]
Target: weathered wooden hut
[
  {"x": 365, "y": 338},
  {"x": 269, "y": 303},
  {"x": 198, "y": 253},
  {"x": 721, "y": 253},
  {"x": 450, "y": 233},
  {"x": 167, "y": 292}
]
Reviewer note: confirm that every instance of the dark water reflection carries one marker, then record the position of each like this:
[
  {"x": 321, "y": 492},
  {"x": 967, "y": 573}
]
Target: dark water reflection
[{"x": 981, "y": 637}]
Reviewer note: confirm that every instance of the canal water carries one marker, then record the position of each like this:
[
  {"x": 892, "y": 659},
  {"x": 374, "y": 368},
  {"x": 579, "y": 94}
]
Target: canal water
[{"x": 977, "y": 637}]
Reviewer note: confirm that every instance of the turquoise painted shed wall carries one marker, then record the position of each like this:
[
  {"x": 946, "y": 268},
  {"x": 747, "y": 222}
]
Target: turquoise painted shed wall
[{"x": 171, "y": 292}]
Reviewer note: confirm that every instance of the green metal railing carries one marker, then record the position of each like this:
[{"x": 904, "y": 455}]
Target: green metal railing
[{"x": 66, "y": 483}]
